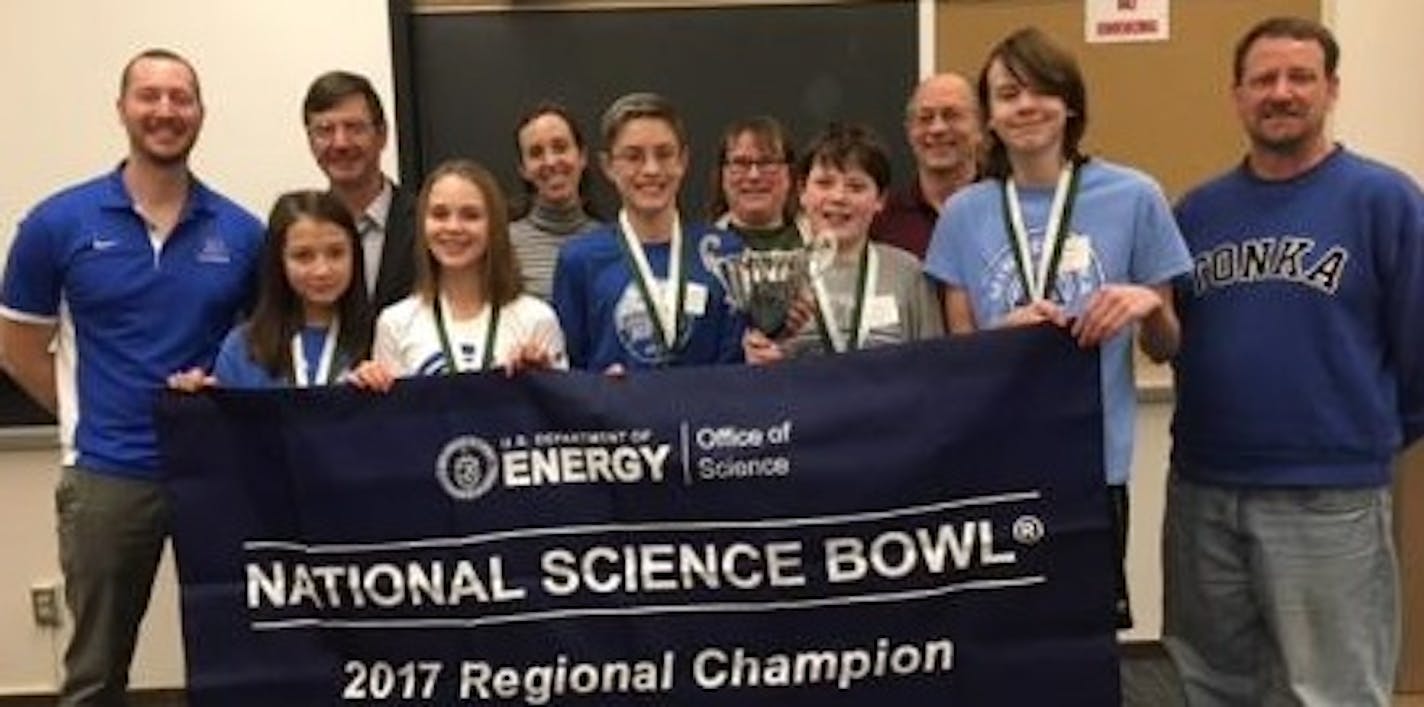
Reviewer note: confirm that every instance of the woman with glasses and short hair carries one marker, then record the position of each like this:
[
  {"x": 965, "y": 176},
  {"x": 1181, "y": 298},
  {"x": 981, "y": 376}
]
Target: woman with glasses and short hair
[{"x": 752, "y": 185}]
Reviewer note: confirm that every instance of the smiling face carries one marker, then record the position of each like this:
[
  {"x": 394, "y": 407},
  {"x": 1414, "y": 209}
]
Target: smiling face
[
  {"x": 160, "y": 110},
  {"x": 646, "y": 163},
  {"x": 942, "y": 124},
  {"x": 756, "y": 181},
  {"x": 1284, "y": 94},
  {"x": 551, "y": 159},
  {"x": 319, "y": 260},
  {"x": 456, "y": 224},
  {"x": 1027, "y": 121},
  {"x": 346, "y": 141},
  {"x": 840, "y": 202}
]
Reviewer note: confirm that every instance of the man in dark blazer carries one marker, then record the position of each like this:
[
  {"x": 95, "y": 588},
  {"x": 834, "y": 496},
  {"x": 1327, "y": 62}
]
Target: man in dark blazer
[{"x": 346, "y": 129}]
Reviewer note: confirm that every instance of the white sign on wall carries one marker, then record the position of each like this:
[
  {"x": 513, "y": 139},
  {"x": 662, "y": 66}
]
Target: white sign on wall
[{"x": 1106, "y": 21}]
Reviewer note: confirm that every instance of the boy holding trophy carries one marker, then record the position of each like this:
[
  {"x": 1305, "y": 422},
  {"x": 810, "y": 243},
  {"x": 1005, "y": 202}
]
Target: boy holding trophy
[{"x": 863, "y": 294}]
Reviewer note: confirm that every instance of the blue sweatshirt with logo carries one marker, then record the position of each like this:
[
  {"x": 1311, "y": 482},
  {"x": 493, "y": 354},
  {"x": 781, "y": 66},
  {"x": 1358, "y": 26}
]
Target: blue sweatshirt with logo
[
  {"x": 1302, "y": 358},
  {"x": 606, "y": 319}
]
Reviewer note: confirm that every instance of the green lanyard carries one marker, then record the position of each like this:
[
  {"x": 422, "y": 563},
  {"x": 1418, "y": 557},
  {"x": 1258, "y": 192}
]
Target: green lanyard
[
  {"x": 823, "y": 315},
  {"x": 1060, "y": 217},
  {"x": 452, "y": 364},
  {"x": 642, "y": 275}
]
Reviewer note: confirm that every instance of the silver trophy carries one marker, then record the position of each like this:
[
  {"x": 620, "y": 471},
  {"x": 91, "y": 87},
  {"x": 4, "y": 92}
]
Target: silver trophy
[{"x": 765, "y": 284}]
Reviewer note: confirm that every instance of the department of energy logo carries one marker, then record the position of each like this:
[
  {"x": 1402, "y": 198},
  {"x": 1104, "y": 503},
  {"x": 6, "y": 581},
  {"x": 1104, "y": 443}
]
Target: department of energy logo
[{"x": 467, "y": 468}]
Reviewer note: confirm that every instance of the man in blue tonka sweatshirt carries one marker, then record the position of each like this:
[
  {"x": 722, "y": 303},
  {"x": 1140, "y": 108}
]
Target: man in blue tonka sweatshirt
[{"x": 1300, "y": 376}]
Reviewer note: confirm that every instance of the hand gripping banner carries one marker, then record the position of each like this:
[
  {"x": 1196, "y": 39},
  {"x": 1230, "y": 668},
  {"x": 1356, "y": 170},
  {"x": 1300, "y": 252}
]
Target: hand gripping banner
[{"x": 919, "y": 525}]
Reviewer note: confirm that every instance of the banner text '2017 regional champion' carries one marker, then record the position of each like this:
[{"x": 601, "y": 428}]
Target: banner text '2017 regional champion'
[{"x": 924, "y": 523}]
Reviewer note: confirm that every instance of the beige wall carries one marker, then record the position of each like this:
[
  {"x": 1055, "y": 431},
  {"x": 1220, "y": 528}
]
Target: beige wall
[
  {"x": 59, "y": 63},
  {"x": 60, "y": 60},
  {"x": 1161, "y": 107},
  {"x": 1381, "y": 109},
  {"x": 1381, "y": 113}
]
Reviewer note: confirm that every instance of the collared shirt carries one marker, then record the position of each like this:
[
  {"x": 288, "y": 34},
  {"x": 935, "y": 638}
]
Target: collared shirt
[
  {"x": 372, "y": 228},
  {"x": 130, "y": 309},
  {"x": 907, "y": 220}
]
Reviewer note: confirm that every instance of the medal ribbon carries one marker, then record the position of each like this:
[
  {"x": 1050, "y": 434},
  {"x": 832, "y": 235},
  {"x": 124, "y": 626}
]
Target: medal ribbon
[
  {"x": 1038, "y": 283},
  {"x": 324, "y": 372},
  {"x": 665, "y": 307},
  {"x": 486, "y": 360},
  {"x": 865, "y": 283}
]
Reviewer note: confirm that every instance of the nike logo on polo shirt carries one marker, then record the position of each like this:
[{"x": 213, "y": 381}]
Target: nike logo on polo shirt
[{"x": 104, "y": 243}]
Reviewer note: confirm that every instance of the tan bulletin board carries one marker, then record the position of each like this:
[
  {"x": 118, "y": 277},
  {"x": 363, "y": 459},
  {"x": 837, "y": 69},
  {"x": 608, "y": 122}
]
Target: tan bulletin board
[{"x": 1163, "y": 107}]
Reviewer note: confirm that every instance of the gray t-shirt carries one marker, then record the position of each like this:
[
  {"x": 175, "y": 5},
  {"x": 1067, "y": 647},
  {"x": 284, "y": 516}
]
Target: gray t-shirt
[{"x": 902, "y": 308}]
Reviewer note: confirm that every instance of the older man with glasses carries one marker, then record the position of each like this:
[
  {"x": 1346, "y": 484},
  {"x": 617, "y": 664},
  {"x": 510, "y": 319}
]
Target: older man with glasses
[{"x": 346, "y": 129}]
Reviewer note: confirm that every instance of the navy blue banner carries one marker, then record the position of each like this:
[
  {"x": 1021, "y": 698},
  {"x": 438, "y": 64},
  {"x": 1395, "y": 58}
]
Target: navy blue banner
[{"x": 924, "y": 524}]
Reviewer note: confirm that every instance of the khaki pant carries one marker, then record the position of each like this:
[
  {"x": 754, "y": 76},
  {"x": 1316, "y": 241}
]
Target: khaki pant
[{"x": 111, "y": 533}]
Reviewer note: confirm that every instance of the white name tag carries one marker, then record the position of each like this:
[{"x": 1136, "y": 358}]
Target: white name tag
[
  {"x": 694, "y": 301},
  {"x": 881, "y": 311},
  {"x": 1077, "y": 254}
]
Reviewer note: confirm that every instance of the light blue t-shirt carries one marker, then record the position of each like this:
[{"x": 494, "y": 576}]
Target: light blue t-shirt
[{"x": 1122, "y": 231}]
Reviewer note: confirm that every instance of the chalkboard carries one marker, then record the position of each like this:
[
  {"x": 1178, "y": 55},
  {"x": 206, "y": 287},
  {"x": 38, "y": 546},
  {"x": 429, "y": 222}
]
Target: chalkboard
[{"x": 463, "y": 78}]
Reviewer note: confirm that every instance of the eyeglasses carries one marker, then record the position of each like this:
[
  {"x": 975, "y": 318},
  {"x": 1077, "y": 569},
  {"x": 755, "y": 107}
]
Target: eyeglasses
[
  {"x": 326, "y": 131},
  {"x": 927, "y": 116},
  {"x": 739, "y": 166}
]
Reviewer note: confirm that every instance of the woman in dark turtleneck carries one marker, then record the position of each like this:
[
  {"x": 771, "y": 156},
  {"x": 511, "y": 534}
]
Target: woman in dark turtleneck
[{"x": 552, "y": 162}]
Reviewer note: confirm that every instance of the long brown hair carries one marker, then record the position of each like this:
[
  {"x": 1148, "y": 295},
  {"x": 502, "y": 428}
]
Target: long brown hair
[
  {"x": 501, "y": 270},
  {"x": 1038, "y": 62},
  {"x": 279, "y": 314}
]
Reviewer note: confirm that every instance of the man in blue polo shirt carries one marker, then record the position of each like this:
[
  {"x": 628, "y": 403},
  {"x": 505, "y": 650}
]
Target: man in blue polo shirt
[{"x": 131, "y": 276}]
